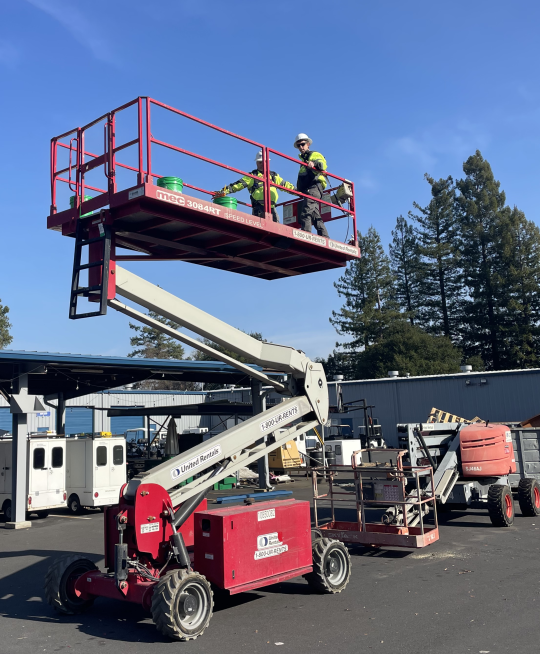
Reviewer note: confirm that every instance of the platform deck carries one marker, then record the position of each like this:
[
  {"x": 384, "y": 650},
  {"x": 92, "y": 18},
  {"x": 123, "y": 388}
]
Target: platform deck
[{"x": 159, "y": 224}]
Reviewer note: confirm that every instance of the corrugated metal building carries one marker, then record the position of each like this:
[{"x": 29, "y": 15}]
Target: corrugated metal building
[
  {"x": 510, "y": 395},
  {"x": 498, "y": 396},
  {"x": 88, "y": 413}
]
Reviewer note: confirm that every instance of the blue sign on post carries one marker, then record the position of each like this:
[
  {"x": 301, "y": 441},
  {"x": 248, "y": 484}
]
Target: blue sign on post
[{"x": 43, "y": 414}]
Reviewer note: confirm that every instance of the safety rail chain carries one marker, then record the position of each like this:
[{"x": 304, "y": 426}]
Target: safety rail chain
[
  {"x": 409, "y": 495},
  {"x": 78, "y": 165}
]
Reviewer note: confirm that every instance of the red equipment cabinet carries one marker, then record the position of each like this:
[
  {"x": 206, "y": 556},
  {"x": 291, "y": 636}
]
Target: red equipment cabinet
[
  {"x": 240, "y": 548},
  {"x": 486, "y": 450}
]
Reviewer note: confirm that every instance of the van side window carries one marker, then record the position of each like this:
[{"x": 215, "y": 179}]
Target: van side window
[
  {"x": 57, "y": 457},
  {"x": 338, "y": 450},
  {"x": 118, "y": 455},
  {"x": 39, "y": 458},
  {"x": 101, "y": 455}
]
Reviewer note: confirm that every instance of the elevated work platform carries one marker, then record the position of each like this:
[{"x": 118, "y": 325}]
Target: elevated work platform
[{"x": 160, "y": 224}]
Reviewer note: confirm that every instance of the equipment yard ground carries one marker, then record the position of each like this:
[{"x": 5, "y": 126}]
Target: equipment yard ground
[{"x": 475, "y": 590}]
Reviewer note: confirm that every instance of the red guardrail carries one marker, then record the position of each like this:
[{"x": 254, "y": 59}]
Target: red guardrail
[{"x": 108, "y": 159}]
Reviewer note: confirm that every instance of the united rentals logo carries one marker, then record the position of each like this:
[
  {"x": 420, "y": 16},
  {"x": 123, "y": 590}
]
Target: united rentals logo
[
  {"x": 342, "y": 247},
  {"x": 196, "y": 462}
]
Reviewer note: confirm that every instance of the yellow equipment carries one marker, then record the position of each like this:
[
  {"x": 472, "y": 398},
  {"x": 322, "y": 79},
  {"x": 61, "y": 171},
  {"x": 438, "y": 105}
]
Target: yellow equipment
[{"x": 285, "y": 457}]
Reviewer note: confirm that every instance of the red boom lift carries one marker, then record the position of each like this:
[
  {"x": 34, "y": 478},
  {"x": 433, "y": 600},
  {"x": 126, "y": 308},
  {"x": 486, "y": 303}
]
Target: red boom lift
[{"x": 164, "y": 547}]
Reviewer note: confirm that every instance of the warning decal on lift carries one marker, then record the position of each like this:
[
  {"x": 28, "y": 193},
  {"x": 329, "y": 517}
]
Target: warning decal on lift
[
  {"x": 269, "y": 545},
  {"x": 196, "y": 461},
  {"x": 283, "y": 417},
  {"x": 146, "y": 529}
]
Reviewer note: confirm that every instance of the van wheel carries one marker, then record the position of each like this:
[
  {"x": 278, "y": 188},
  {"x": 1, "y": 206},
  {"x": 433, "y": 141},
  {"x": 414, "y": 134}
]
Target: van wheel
[
  {"x": 74, "y": 504},
  {"x": 6, "y": 508},
  {"x": 42, "y": 514}
]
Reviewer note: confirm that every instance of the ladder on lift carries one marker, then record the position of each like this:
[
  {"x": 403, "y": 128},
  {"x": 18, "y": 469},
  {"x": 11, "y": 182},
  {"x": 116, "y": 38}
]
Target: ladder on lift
[{"x": 94, "y": 292}]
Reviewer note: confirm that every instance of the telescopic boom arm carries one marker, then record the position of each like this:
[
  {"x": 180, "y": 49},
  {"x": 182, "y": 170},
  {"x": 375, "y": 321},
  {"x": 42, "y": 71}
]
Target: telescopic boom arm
[{"x": 248, "y": 441}]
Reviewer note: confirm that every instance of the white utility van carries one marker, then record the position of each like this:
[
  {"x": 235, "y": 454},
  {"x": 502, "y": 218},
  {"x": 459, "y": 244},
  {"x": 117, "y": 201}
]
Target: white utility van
[
  {"x": 46, "y": 474},
  {"x": 96, "y": 470}
]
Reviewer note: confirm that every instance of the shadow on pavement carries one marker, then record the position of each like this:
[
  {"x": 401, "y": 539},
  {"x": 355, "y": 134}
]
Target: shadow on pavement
[{"x": 22, "y": 598}]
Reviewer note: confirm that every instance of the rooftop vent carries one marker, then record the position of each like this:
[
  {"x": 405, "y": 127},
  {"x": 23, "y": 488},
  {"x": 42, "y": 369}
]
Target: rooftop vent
[
  {"x": 393, "y": 373},
  {"x": 467, "y": 368}
]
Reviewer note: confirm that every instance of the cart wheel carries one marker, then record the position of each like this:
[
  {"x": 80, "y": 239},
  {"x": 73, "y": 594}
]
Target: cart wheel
[
  {"x": 529, "y": 497},
  {"x": 42, "y": 514},
  {"x": 182, "y": 605},
  {"x": 74, "y": 504},
  {"x": 6, "y": 508},
  {"x": 331, "y": 566},
  {"x": 500, "y": 505},
  {"x": 60, "y": 584}
]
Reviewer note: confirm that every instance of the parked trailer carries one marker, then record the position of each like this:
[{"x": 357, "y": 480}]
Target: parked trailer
[
  {"x": 96, "y": 470},
  {"x": 45, "y": 478}
]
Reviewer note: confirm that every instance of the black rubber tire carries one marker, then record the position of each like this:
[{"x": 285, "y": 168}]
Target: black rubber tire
[
  {"x": 529, "y": 497},
  {"x": 6, "y": 508},
  {"x": 74, "y": 504},
  {"x": 42, "y": 514},
  {"x": 501, "y": 506},
  {"x": 166, "y": 599},
  {"x": 56, "y": 580},
  {"x": 326, "y": 578}
]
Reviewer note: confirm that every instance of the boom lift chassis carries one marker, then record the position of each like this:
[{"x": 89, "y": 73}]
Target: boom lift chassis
[{"x": 148, "y": 533}]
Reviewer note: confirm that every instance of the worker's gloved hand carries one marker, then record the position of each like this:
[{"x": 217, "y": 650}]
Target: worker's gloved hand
[
  {"x": 218, "y": 194},
  {"x": 310, "y": 164}
]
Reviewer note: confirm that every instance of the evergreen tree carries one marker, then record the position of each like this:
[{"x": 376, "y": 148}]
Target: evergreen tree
[
  {"x": 482, "y": 216},
  {"x": 5, "y": 326},
  {"x": 408, "y": 349},
  {"x": 521, "y": 290},
  {"x": 440, "y": 285},
  {"x": 150, "y": 343},
  {"x": 405, "y": 267},
  {"x": 368, "y": 288},
  {"x": 198, "y": 355}
]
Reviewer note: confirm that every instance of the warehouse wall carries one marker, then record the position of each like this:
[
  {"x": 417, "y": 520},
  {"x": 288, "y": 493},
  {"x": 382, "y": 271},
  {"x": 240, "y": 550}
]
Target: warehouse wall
[{"x": 499, "y": 396}]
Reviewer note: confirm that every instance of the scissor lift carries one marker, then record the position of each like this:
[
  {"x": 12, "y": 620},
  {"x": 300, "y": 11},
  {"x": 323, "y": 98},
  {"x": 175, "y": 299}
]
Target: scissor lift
[{"x": 162, "y": 512}]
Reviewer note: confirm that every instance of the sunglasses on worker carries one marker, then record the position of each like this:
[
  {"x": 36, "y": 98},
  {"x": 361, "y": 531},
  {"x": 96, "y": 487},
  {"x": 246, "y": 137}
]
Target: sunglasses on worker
[{"x": 300, "y": 145}]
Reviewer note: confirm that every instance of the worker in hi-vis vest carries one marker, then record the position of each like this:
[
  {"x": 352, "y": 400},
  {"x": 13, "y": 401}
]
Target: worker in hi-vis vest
[
  {"x": 256, "y": 189},
  {"x": 311, "y": 181}
]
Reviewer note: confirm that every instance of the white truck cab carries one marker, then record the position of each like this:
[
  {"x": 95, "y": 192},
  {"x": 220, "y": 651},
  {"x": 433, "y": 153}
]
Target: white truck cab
[
  {"x": 46, "y": 474},
  {"x": 96, "y": 470}
]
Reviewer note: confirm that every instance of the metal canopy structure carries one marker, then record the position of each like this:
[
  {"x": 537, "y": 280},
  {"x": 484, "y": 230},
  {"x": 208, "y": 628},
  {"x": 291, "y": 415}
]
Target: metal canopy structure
[
  {"x": 74, "y": 375},
  {"x": 206, "y": 409},
  {"x": 160, "y": 224}
]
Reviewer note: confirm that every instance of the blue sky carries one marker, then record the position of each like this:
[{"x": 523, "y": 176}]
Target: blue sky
[{"x": 388, "y": 90}]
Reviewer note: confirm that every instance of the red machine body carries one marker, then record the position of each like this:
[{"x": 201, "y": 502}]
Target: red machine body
[
  {"x": 486, "y": 450},
  {"x": 147, "y": 528},
  {"x": 240, "y": 548}
]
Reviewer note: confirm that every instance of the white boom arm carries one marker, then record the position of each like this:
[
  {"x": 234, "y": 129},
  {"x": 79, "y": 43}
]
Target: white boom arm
[{"x": 243, "y": 443}]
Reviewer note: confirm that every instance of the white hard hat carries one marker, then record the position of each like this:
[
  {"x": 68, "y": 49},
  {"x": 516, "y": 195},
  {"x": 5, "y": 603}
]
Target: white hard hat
[
  {"x": 302, "y": 137},
  {"x": 259, "y": 156}
]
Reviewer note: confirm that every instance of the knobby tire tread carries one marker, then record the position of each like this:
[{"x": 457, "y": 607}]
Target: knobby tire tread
[
  {"x": 496, "y": 506},
  {"x": 317, "y": 579},
  {"x": 163, "y": 600},
  {"x": 526, "y": 497},
  {"x": 53, "y": 583}
]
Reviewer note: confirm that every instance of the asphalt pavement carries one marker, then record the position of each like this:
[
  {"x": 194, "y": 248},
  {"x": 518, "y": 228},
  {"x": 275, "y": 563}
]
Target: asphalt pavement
[{"x": 475, "y": 590}]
